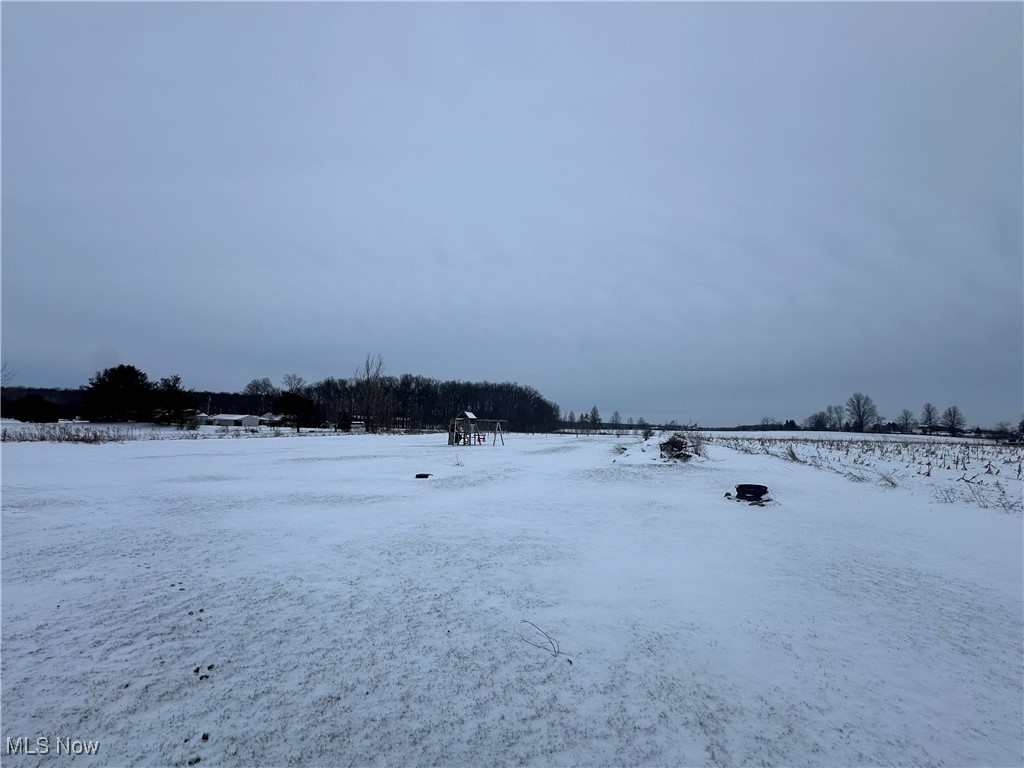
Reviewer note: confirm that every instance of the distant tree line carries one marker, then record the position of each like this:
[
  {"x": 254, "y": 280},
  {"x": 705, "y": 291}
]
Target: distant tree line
[
  {"x": 861, "y": 415},
  {"x": 381, "y": 402},
  {"x": 590, "y": 423},
  {"x": 121, "y": 393}
]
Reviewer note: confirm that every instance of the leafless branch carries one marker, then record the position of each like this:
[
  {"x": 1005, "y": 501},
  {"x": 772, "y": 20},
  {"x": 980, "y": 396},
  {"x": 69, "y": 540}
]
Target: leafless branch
[{"x": 551, "y": 646}]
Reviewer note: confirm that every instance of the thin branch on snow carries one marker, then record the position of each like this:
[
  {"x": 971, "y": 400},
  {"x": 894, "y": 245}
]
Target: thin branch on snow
[{"x": 551, "y": 646}]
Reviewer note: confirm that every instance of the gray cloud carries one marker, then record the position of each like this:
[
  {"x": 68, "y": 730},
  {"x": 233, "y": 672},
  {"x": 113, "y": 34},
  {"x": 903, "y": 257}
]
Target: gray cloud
[{"x": 620, "y": 205}]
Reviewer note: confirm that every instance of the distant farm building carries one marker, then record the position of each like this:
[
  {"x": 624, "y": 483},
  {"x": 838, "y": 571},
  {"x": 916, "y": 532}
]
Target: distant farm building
[{"x": 234, "y": 420}]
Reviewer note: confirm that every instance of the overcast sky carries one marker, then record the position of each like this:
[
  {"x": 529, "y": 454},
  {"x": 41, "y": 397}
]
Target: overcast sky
[{"x": 706, "y": 212}]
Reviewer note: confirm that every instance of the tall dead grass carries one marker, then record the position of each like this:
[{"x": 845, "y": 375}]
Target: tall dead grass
[{"x": 69, "y": 433}]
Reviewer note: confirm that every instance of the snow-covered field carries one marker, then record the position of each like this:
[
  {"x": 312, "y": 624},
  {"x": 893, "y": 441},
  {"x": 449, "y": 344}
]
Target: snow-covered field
[{"x": 307, "y": 601}]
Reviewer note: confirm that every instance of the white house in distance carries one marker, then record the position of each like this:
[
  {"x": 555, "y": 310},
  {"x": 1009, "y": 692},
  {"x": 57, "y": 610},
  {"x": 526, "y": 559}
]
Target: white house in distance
[{"x": 234, "y": 420}]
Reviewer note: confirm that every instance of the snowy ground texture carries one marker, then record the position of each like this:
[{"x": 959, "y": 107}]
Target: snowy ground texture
[{"x": 306, "y": 601}]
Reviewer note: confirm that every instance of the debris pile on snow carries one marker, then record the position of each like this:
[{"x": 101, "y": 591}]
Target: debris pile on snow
[
  {"x": 676, "y": 448},
  {"x": 679, "y": 447}
]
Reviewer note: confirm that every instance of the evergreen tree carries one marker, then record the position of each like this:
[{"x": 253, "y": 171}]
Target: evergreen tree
[
  {"x": 300, "y": 409},
  {"x": 36, "y": 409},
  {"x": 123, "y": 393},
  {"x": 172, "y": 403}
]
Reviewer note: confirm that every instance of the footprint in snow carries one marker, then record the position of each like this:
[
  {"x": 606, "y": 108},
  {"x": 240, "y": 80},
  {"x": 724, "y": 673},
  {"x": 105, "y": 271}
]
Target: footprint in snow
[{"x": 199, "y": 671}]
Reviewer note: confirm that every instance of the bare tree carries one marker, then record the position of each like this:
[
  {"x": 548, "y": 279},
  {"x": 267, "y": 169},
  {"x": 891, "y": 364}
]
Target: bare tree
[
  {"x": 861, "y": 410},
  {"x": 817, "y": 422},
  {"x": 292, "y": 382},
  {"x": 264, "y": 390},
  {"x": 834, "y": 414},
  {"x": 617, "y": 423},
  {"x": 330, "y": 398},
  {"x": 906, "y": 421},
  {"x": 595, "y": 419},
  {"x": 6, "y": 376},
  {"x": 369, "y": 389},
  {"x": 645, "y": 429},
  {"x": 929, "y": 417},
  {"x": 953, "y": 420}
]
